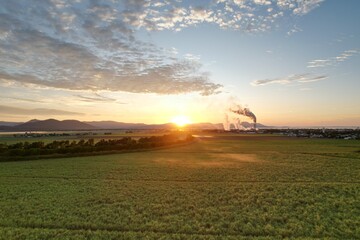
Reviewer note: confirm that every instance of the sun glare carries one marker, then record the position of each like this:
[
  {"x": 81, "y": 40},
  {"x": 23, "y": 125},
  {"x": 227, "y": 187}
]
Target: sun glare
[{"x": 181, "y": 121}]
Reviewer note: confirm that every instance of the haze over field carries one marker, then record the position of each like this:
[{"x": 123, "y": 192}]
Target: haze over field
[{"x": 292, "y": 62}]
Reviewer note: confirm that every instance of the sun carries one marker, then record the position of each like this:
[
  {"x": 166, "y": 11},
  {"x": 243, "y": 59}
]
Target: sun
[{"x": 181, "y": 120}]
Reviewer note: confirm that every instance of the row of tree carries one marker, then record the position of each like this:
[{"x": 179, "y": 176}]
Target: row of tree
[{"x": 90, "y": 145}]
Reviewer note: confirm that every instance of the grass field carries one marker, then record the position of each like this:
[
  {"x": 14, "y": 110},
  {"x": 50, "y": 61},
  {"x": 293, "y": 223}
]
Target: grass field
[{"x": 221, "y": 187}]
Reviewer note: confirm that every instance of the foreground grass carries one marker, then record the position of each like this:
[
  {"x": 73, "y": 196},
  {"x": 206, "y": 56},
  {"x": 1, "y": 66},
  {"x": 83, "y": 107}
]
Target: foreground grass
[{"x": 217, "y": 188}]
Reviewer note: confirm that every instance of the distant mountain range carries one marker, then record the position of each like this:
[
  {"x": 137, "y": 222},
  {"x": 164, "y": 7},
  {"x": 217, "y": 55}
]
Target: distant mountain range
[
  {"x": 56, "y": 125},
  {"x": 48, "y": 125}
]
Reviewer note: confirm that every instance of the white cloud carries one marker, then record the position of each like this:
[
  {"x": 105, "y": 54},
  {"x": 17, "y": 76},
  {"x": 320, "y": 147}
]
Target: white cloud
[
  {"x": 319, "y": 63},
  {"x": 262, "y": 2},
  {"x": 293, "y": 30},
  {"x": 295, "y": 78},
  {"x": 305, "y": 7},
  {"x": 300, "y": 7},
  {"x": 244, "y": 15}
]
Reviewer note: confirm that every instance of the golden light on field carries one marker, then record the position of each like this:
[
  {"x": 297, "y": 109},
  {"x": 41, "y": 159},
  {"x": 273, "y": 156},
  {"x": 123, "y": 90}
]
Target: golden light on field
[{"x": 180, "y": 120}]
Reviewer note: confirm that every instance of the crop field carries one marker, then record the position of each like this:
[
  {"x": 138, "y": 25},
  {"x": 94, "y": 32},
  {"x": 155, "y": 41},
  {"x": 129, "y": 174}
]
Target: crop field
[{"x": 228, "y": 186}]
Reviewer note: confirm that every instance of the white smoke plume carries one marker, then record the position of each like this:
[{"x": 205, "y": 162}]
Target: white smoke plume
[
  {"x": 244, "y": 111},
  {"x": 226, "y": 122},
  {"x": 237, "y": 124}
]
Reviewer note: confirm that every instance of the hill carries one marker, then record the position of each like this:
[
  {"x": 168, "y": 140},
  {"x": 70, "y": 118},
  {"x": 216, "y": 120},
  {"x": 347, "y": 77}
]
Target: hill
[{"x": 52, "y": 125}]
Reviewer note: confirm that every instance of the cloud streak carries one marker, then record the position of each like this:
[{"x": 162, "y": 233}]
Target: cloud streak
[
  {"x": 35, "y": 111},
  {"x": 333, "y": 61},
  {"x": 97, "y": 98},
  {"x": 22, "y": 99},
  {"x": 296, "y": 78}
]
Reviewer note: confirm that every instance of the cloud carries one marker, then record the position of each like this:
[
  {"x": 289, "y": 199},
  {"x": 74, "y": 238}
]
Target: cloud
[
  {"x": 295, "y": 29},
  {"x": 333, "y": 61},
  {"x": 93, "y": 44},
  {"x": 297, "y": 78},
  {"x": 89, "y": 46},
  {"x": 22, "y": 99},
  {"x": 35, "y": 111},
  {"x": 244, "y": 15},
  {"x": 97, "y": 98}
]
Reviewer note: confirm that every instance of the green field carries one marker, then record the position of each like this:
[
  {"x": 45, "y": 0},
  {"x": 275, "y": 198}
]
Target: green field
[{"x": 220, "y": 187}]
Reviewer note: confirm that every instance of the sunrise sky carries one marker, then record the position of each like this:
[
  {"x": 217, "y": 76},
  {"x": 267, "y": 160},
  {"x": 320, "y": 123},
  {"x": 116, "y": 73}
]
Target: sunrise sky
[{"x": 292, "y": 62}]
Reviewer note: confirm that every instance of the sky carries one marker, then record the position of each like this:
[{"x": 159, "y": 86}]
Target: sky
[{"x": 292, "y": 62}]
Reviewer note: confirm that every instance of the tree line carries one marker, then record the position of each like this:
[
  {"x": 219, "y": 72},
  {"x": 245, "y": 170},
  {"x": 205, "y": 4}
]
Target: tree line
[{"x": 63, "y": 147}]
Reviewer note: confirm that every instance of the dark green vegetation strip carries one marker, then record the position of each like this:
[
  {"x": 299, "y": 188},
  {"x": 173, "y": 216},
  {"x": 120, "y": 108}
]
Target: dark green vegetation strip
[
  {"x": 225, "y": 189},
  {"x": 59, "y": 149}
]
